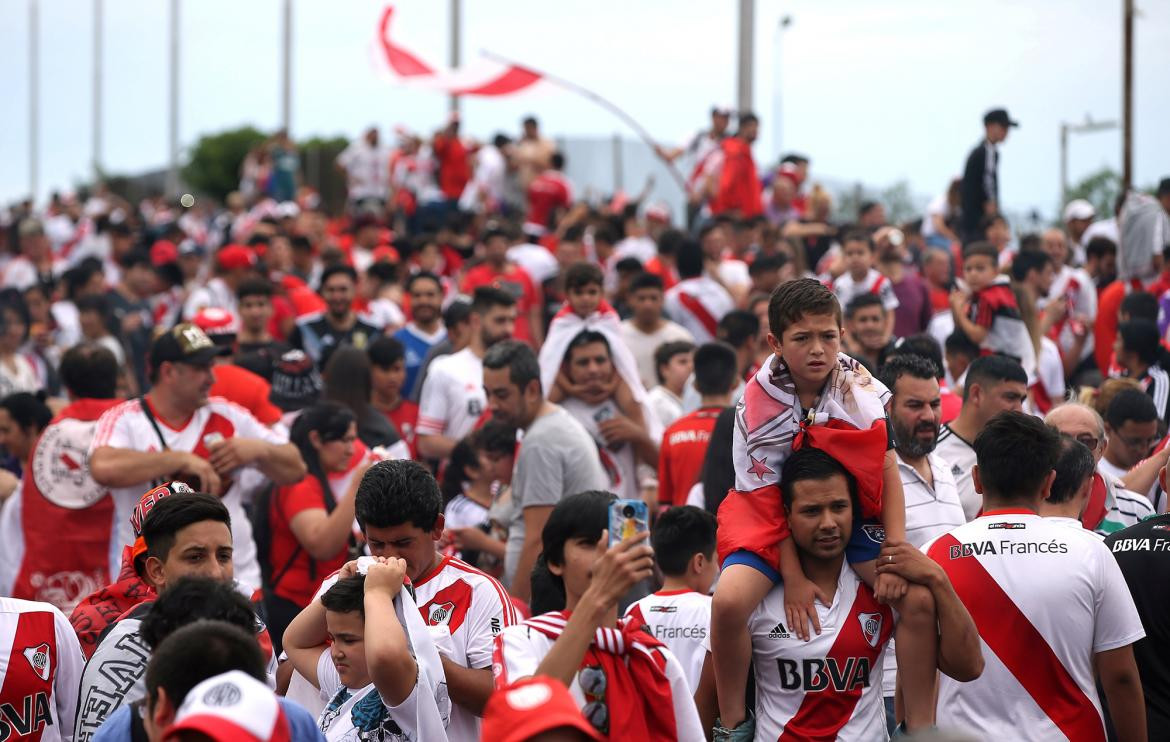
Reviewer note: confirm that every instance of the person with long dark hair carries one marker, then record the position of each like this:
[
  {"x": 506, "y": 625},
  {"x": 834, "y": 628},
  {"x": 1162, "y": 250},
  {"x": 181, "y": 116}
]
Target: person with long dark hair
[
  {"x": 348, "y": 381},
  {"x": 311, "y": 522},
  {"x": 627, "y": 683}
]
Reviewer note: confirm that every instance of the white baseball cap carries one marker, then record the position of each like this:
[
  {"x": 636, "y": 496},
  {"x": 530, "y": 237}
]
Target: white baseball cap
[
  {"x": 232, "y": 707},
  {"x": 1079, "y": 209}
]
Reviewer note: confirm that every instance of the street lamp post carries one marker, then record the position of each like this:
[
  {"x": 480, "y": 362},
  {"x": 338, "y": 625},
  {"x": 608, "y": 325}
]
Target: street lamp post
[
  {"x": 778, "y": 53},
  {"x": 1065, "y": 129}
]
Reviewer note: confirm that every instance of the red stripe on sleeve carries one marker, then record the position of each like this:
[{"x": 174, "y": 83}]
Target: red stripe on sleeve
[
  {"x": 1018, "y": 645},
  {"x": 695, "y": 307}
]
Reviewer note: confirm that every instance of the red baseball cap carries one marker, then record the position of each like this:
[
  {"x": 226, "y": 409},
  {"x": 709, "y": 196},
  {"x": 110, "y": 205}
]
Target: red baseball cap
[
  {"x": 232, "y": 707},
  {"x": 530, "y": 706},
  {"x": 216, "y": 322},
  {"x": 163, "y": 252},
  {"x": 232, "y": 257}
]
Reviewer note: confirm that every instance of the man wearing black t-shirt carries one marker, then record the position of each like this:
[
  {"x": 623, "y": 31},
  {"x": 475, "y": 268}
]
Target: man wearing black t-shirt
[
  {"x": 1143, "y": 553},
  {"x": 321, "y": 333}
]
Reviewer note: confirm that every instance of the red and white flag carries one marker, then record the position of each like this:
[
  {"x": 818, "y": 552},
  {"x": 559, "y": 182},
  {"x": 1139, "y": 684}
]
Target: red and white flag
[{"x": 485, "y": 77}]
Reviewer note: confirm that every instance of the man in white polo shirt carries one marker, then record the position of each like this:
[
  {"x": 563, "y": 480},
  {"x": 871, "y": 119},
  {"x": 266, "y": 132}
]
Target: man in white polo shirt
[
  {"x": 1052, "y": 607},
  {"x": 932, "y": 502}
]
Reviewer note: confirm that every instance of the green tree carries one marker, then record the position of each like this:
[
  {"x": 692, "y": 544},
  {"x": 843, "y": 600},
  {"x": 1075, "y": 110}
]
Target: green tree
[
  {"x": 213, "y": 168},
  {"x": 1099, "y": 188}
]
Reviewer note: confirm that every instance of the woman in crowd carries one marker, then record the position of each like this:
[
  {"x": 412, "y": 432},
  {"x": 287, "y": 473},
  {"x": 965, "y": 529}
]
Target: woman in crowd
[
  {"x": 312, "y": 521},
  {"x": 17, "y": 372},
  {"x": 627, "y": 684},
  {"x": 347, "y": 380},
  {"x": 23, "y": 417}
]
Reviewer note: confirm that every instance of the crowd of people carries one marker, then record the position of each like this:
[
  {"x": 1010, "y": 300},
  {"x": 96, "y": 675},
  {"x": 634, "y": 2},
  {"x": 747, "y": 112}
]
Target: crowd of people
[{"x": 271, "y": 473}]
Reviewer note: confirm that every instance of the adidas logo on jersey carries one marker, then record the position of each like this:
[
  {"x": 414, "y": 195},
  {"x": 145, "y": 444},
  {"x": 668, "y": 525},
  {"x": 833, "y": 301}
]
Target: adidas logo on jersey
[{"x": 779, "y": 632}]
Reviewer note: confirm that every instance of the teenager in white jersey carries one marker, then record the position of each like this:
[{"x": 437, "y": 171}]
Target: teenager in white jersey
[
  {"x": 679, "y": 615},
  {"x": 830, "y": 687},
  {"x": 176, "y": 432},
  {"x": 364, "y": 647},
  {"x": 39, "y": 672},
  {"x": 626, "y": 682},
  {"x": 452, "y": 398},
  {"x": 1052, "y": 607},
  {"x": 861, "y": 277},
  {"x": 399, "y": 509}
]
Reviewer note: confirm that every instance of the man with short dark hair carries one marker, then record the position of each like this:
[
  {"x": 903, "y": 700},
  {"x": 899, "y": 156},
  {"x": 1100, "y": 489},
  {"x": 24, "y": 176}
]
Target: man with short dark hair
[
  {"x": 321, "y": 333},
  {"x": 1052, "y": 609},
  {"x": 672, "y": 362},
  {"x": 699, "y": 300},
  {"x": 993, "y": 384},
  {"x": 387, "y": 375},
  {"x": 456, "y": 325},
  {"x": 979, "y": 192},
  {"x": 59, "y": 489},
  {"x": 425, "y": 328},
  {"x": 1131, "y": 431},
  {"x": 400, "y": 511},
  {"x": 558, "y": 457},
  {"x": 1075, "y": 470},
  {"x": 647, "y": 328},
  {"x": 500, "y": 273},
  {"x": 256, "y": 349},
  {"x": 866, "y": 329},
  {"x": 452, "y": 395},
  {"x": 685, "y": 441},
  {"x": 176, "y": 430}
]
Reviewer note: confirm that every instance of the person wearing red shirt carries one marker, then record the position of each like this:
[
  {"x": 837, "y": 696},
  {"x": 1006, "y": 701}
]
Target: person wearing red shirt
[
  {"x": 452, "y": 154},
  {"x": 684, "y": 444},
  {"x": 387, "y": 374},
  {"x": 739, "y": 189},
  {"x": 547, "y": 193},
  {"x": 499, "y": 272},
  {"x": 312, "y": 521}
]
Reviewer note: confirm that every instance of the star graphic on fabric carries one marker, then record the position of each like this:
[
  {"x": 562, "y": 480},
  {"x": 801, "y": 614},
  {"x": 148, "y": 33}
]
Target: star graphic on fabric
[{"x": 759, "y": 467}]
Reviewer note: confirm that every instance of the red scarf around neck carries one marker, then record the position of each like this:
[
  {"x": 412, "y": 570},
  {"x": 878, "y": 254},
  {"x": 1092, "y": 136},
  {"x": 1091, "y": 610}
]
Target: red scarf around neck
[{"x": 637, "y": 691}]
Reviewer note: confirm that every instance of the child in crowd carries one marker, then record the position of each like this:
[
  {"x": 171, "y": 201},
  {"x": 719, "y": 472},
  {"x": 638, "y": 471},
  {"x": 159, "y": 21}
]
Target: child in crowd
[
  {"x": 387, "y": 375},
  {"x": 679, "y": 615},
  {"x": 364, "y": 646},
  {"x": 807, "y": 393},
  {"x": 988, "y": 312},
  {"x": 860, "y": 276},
  {"x": 586, "y": 309},
  {"x": 673, "y": 364},
  {"x": 626, "y": 682}
]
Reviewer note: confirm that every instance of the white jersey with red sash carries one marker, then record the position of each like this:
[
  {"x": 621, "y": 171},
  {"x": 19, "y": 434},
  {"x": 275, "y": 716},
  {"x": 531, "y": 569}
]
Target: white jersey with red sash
[
  {"x": 846, "y": 288},
  {"x": 465, "y": 610},
  {"x": 127, "y": 426},
  {"x": 39, "y": 672},
  {"x": 829, "y": 687},
  {"x": 698, "y": 304},
  {"x": 629, "y": 685},
  {"x": 1074, "y": 288},
  {"x": 849, "y": 417},
  {"x": 1046, "y": 598},
  {"x": 680, "y": 619},
  {"x": 58, "y": 496}
]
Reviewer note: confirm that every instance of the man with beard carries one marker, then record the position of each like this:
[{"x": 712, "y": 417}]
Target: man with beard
[
  {"x": 452, "y": 399},
  {"x": 558, "y": 457},
  {"x": 932, "y": 500},
  {"x": 321, "y": 333},
  {"x": 865, "y": 328},
  {"x": 425, "y": 328}
]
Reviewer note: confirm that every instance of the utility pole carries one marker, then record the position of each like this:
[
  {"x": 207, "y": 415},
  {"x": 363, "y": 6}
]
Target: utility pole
[
  {"x": 286, "y": 69},
  {"x": 34, "y": 84},
  {"x": 778, "y": 98},
  {"x": 455, "y": 42},
  {"x": 747, "y": 31},
  {"x": 1065, "y": 129},
  {"x": 1127, "y": 97},
  {"x": 97, "y": 91},
  {"x": 172, "y": 184}
]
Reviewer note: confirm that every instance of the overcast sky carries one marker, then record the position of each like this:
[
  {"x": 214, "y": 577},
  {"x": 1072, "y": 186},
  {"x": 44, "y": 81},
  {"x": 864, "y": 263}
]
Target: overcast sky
[{"x": 873, "y": 92}]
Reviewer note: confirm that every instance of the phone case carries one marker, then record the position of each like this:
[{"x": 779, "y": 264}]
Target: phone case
[{"x": 627, "y": 518}]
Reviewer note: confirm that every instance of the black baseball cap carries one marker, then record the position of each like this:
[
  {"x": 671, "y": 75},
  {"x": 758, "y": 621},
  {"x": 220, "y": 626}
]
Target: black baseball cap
[
  {"x": 185, "y": 343},
  {"x": 999, "y": 116}
]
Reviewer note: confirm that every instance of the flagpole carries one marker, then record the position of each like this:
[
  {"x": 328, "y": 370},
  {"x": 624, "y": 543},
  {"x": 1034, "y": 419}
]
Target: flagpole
[{"x": 604, "y": 103}]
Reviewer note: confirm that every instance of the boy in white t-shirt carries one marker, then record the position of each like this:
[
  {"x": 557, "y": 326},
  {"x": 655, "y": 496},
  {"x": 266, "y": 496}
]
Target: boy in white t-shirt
[
  {"x": 679, "y": 615},
  {"x": 354, "y": 643},
  {"x": 860, "y": 277}
]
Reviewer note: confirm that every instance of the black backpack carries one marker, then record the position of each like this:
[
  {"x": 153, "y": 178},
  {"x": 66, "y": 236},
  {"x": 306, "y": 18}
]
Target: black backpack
[{"x": 260, "y": 515}]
